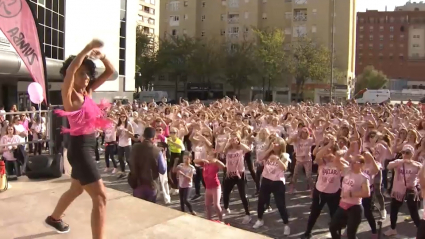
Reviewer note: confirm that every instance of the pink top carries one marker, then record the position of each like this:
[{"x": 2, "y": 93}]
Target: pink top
[
  {"x": 210, "y": 172},
  {"x": 381, "y": 153},
  {"x": 235, "y": 162},
  {"x": 7, "y": 150},
  {"x": 303, "y": 149},
  {"x": 260, "y": 149},
  {"x": 110, "y": 134},
  {"x": 272, "y": 171},
  {"x": 368, "y": 168},
  {"x": 405, "y": 178},
  {"x": 87, "y": 119},
  {"x": 329, "y": 179},
  {"x": 353, "y": 182},
  {"x": 185, "y": 182}
]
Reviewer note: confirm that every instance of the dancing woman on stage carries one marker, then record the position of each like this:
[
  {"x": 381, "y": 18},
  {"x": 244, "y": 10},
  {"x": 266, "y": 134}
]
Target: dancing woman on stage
[{"x": 84, "y": 118}]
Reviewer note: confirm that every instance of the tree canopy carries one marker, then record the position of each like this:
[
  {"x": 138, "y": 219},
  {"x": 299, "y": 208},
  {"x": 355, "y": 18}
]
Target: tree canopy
[{"x": 371, "y": 79}]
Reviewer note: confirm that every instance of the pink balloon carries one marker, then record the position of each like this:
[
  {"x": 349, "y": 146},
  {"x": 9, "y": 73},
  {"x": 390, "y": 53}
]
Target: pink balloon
[{"x": 35, "y": 92}]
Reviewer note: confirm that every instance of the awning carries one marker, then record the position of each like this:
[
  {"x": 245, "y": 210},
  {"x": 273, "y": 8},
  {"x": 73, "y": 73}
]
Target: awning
[{"x": 11, "y": 64}]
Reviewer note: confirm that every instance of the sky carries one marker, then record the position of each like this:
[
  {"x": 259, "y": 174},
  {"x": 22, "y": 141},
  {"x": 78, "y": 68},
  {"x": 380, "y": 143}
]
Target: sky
[{"x": 362, "y": 5}]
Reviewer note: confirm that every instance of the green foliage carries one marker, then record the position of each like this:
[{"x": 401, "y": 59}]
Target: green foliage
[
  {"x": 371, "y": 79},
  {"x": 270, "y": 53},
  {"x": 146, "y": 60},
  {"x": 205, "y": 62},
  {"x": 309, "y": 61}
]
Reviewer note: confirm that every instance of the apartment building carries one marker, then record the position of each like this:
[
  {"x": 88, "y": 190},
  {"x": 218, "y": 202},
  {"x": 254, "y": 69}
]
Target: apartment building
[
  {"x": 393, "y": 42},
  {"x": 411, "y": 6},
  {"x": 148, "y": 16},
  {"x": 233, "y": 20}
]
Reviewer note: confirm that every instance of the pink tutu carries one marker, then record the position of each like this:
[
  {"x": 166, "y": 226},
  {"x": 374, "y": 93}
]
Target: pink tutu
[{"x": 87, "y": 119}]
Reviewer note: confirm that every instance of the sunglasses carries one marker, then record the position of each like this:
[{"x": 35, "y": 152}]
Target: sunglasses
[
  {"x": 171, "y": 132},
  {"x": 406, "y": 152}
]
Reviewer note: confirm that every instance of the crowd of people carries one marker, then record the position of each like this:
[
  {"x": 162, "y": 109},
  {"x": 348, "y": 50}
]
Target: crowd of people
[
  {"x": 171, "y": 148},
  {"x": 351, "y": 148}
]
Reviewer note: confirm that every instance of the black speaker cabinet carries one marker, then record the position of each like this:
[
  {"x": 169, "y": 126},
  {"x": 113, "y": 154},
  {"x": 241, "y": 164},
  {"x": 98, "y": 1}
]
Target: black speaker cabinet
[{"x": 44, "y": 166}]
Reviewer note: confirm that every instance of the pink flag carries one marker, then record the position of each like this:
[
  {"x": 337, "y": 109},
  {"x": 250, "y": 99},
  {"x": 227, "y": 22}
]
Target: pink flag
[{"x": 18, "y": 25}]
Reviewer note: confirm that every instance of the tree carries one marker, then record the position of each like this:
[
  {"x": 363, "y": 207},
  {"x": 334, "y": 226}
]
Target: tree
[
  {"x": 271, "y": 55},
  {"x": 371, "y": 79},
  {"x": 205, "y": 62},
  {"x": 146, "y": 59},
  {"x": 175, "y": 55},
  {"x": 239, "y": 65},
  {"x": 308, "y": 61}
]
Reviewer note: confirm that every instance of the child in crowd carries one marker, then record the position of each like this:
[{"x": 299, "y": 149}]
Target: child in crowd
[{"x": 185, "y": 172}]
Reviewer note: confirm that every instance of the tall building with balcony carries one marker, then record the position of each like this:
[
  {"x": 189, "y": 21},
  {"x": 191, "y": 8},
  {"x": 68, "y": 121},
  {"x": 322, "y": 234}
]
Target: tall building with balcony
[
  {"x": 233, "y": 20},
  {"x": 148, "y": 18},
  {"x": 394, "y": 43}
]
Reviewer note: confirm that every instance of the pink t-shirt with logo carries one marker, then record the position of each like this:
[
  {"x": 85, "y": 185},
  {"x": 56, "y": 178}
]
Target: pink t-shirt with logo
[
  {"x": 260, "y": 148},
  {"x": 329, "y": 180},
  {"x": 272, "y": 171},
  {"x": 303, "y": 149},
  {"x": 235, "y": 162},
  {"x": 110, "y": 134},
  {"x": 405, "y": 178},
  {"x": 185, "y": 182},
  {"x": 352, "y": 182},
  {"x": 210, "y": 172}
]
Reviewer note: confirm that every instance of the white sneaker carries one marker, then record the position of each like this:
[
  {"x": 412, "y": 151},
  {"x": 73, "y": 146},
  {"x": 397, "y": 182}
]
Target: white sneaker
[
  {"x": 268, "y": 210},
  {"x": 390, "y": 232},
  {"x": 286, "y": 230},
  {"x": 227, "y": 211},
  {"x": 9, "y": 185},
  {"x": 387, "y": 195},
  {"x": 246, "y": 219},
  {"x": 344, "y": 233},
  {"x": 383, "y": 214},
  {"x": 174, "y": 192},
  {"x": 106, "y": 170},
  {"x": 114, "y": 171},
  {"x": 259, "y": 223}
]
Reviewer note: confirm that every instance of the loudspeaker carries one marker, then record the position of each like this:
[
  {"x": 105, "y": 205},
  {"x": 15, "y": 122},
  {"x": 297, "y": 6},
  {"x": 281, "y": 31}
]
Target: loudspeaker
[
  {"x": 57, "y": 139},
  {"x": 44, "y": 166}
]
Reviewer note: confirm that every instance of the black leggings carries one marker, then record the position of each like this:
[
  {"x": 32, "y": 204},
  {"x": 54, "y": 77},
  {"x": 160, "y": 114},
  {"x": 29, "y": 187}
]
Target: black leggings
[
  {"x": 228, "y": 184},
  {"x": 278, "y": 189},
  {"x": 258, "y": 173},
  {"x": 175, "y": 159},
  {"x": 123, "y": 152},
  {"x": 385, "y": 176},
  {"x": 412, "y": 205},
  {"x": 96, "y": 150},
  {"x": 109, "y": 154},
  {"x": 367, "y": 208},
  {"x": 198, "y": 179},
  {"x": 184, "y": 194},
  {"x": 250, "y": 165},
  {"x": 319, "y": 201},
  {"x": 421, "y": 230},
  {"x": 351, "y": 218}
]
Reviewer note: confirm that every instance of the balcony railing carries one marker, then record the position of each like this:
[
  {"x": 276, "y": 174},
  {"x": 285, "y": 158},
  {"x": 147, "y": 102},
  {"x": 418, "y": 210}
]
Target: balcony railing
[
  {"x": 233, "y": 19},
  {"x": 233, "y": 35},
  {"x": 300, "y": 17}
]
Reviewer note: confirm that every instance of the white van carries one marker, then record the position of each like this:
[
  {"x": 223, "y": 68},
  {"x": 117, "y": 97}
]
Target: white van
[{"x": 373, "y": 96}]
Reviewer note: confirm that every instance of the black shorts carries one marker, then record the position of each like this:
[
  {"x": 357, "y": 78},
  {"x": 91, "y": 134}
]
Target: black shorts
[{"x": 80, "y": 156}]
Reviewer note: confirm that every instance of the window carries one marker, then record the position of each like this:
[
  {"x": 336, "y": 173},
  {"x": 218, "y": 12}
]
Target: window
[
  {"x": 391, "y": 29},
  {"x": 233, "y": 3},
  {"x": 401, "y": 45},
  {"x": 391, "y": 19},
  {"x": 174, "y": 5},
  {"x": 222, "y": 17},
  {"x": 391, "y": 37},
  {"x": 185, "y": 17},
  {"x": 360, "y": 46},
  {"x": 401, "y": 36},
  {"x": 416, "y": 36},
  {"x": 51, "y": 18},
  {"x": 288, "y": 15},
  {"x": 203, "y": 4},
  {"x": 371, "y": 28},
  {"x": 123, "y": 37},
  {"x": 381, "y": 20},
  {"x": 415, "y": 45},
  {"x": 361, "y": 20},
  {"x": 391, "y": 56},
  {"x": 381, "y": 46},
  {"x": 174, "y": 32},
  {"x": 370, "y": 46},
  {"x": 401, "y": 57},
  {"x": 361, "y": 28},
  {"x": 371, "y": 37},
  {"x": 361, "y": 37},
  {"x": 246, "y": 15},
  {"x": 381, "y": 37},
  {"x": 391, "y": 45},
  {"x": 222, "y": 32},
  {"x": 314, "y": 29},
  {"x": 314, "y": 11},
  {"x": 202, "y": 17},
  {"x": 264, "y": 15},
  {"x": 202, "y": 33},
  {"x": 186, "y": 3},
  {"x": 381, "y": 28}
]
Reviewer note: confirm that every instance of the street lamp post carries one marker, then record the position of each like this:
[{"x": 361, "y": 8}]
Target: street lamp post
[{"x": 332, "y": 52}]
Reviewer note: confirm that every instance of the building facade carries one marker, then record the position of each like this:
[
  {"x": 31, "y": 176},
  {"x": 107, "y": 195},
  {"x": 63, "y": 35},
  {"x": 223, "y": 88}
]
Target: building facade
[
  {"x": 394, "y": 43},
  {"x": 148, "y": 16},
  {"x": 66, "y": 27},
  {"x": 233, "y": 20},
  {"x": 411, "y": 6}
]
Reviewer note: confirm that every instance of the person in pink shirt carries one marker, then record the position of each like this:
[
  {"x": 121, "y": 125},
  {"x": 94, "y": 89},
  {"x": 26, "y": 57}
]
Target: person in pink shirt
[
  {"x": 421, "y": 229},
  {"x": 275, "y": 164},
  {"x": 12, "y": 166},
  {"x": 302, "y": 143},
  {"x": 185, "y": 173},
  {"x": 355, "y": 187},
  {"x": 406, "y": 185},
  {"x": 328, "y": 185},
  {"x": 211, "y": 167}
]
